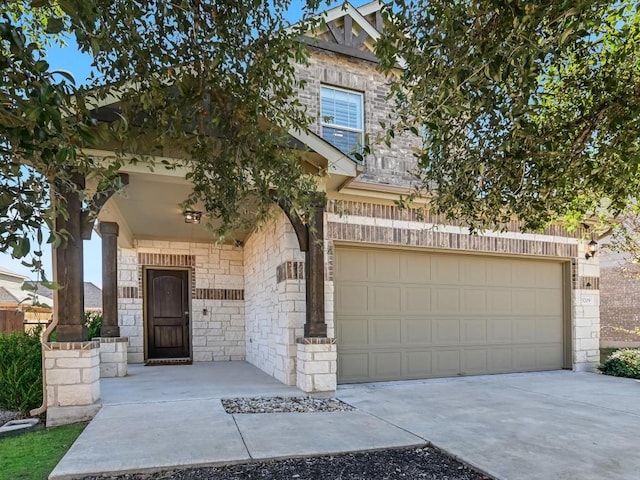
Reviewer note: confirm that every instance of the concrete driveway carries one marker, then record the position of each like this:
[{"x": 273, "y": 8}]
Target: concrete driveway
[{"x": 552, "y": 425}]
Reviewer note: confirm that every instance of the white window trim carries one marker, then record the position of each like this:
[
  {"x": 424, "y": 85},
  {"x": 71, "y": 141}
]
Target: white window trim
[{"x": 323, "y": 123}]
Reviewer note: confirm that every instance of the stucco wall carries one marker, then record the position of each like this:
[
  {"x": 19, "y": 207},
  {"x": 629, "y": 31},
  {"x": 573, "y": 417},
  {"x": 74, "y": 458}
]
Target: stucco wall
[
  {"x": 275, "y": 304},
  {"x": 217, "y": 292}
]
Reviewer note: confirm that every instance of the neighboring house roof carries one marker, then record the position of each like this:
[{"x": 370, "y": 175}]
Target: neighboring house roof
[
  {"x": 92, "y": 294},
  {"x": 7, "y": 297},
  {"x": 9, "y": 273}
]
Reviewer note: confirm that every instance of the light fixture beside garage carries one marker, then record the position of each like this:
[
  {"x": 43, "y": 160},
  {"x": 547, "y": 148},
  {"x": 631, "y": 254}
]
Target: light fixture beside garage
[
  {"x": 192, "y": 216},
  {"x": 590, "y": 249}
]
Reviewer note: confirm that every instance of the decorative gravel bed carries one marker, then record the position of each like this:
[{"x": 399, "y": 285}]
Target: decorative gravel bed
[
  {"x": 397, "y": 464},
  {"x": 284, "y": 405},
  {"x": 7, "y": 416}
]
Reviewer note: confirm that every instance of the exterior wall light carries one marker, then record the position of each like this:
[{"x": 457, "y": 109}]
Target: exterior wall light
[
  {"x": 591, "y": 249},
  {"x": 191, "y": 216}
]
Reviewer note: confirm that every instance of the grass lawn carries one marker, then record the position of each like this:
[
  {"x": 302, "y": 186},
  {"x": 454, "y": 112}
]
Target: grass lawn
[{"x": 33, "y": 455}]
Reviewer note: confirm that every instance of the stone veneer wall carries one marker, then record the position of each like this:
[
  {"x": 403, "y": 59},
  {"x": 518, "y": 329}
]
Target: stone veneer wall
[
  {"x": 217, "y": 296},
  {"x": 372, "y": 223},
  {"x": 275, "y": 298}
]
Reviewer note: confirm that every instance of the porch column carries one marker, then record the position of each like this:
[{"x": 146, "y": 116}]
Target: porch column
[
  {"x": 69, "y": 269},
  {"x": 315, "y": 325},
  {"x": 109, "y": 233}
]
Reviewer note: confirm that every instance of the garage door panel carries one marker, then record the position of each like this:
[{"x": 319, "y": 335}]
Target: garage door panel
[
  {"x": 386, "y": 365},
  {"x": 445, "y": 300},
  {"x": 445, "y": 269},
  {"x": 353, "y": 331},
  {"x": 386, "y": 331},
  {"x": 351, "y": 265},
  {"x": 446, "y": 363},
  {"x": 408, "y": 314},
  {"x": 385, "y": 267},
  {"x": 474, "y": 331},
  {"x": 499, "y": 301},
  {"x": 384, "y": 298},
  {"x": 418, "y": 363},
  {"x": 416, "y": 299},
  {"x": 546, "y": 300},
  {"x": 474, "y": 300},
  {"x": 353, "y": 367},
  {"x": 499, "y": 330},
  {"x": 415, "y": 268},
  {"x": 446, "y": 331},
  {"x": 352, "y": 299},
  {"x": 417, "y": 331},
  {"x": 474, "y": 361}
]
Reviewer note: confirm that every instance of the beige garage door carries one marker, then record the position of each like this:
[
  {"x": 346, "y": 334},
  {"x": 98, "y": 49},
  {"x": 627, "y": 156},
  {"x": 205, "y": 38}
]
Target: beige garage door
[{"x": 406, "y": 314}]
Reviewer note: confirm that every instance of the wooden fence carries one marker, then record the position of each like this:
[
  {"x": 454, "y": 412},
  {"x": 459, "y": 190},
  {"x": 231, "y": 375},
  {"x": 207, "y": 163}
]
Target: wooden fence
[{"x": 11, "y": 321}]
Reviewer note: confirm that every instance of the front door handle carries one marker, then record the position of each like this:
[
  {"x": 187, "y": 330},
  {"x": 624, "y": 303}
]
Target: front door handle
[{"x": 186, "y": 316}]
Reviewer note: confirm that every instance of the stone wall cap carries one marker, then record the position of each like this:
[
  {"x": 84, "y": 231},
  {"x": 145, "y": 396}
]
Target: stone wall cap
[
  {"x": 112, "y": 339},
  {"x": 89, "y": 345},
  {"x": 316, "y": 341}
]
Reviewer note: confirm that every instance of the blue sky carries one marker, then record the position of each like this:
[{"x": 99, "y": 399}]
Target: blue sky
[{"x": 70, "y": 59}]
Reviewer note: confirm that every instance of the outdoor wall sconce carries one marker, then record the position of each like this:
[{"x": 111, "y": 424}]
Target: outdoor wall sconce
[
  {"x": 590, "y": 249},
  {"x": 191, "y": 216}
]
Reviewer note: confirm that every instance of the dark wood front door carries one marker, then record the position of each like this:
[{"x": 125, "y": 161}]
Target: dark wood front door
[{"x": 167, "y": 314}]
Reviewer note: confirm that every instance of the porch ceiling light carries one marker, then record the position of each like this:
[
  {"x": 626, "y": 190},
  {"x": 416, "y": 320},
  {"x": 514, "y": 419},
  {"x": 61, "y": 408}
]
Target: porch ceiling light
[
  {"x": 192, "y": 216},
  {"x": 591, "y": 249}
]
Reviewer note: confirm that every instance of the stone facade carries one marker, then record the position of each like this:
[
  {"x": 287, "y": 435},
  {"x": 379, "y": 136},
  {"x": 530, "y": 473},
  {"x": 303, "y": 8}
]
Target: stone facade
[
  {"x": 619, "y": 300},
  {"x": 275, "y": 298},
  {"x": 72, "y": 376},
  {"x": 317, "y": 364},
  {"x": 217, "y": 295},
  {"x": 113, "y": 356}
]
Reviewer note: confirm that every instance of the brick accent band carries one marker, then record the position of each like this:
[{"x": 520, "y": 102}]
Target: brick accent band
[
  {"x": 290, "y": 271},
  {"x": 90, "y": 345},
  {"x": 589, "y": 283},
  {"x": 316, "y": 341},
  {"x": 446, "y": 240},
  {"x": 392, "y": 212},
  {"x": 218, "y": 294},
  {"x": 166, "y": 260},
  {"x": 128, "y": 292}
]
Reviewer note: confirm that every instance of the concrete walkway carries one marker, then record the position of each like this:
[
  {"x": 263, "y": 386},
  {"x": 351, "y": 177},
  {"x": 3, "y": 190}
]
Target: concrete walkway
[{"x": 558, "y": 425}]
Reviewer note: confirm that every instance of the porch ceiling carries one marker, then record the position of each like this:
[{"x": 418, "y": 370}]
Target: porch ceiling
[{"x": 149, "y": 208}]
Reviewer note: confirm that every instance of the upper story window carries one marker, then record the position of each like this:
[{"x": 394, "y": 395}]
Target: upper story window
[{"x": 342, "y": 118}]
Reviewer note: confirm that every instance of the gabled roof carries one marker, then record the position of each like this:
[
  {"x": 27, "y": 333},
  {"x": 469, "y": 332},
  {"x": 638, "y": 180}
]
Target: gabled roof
[
  {"x": 92, "y": 294},
  {"x": 9, "y": 273},
  {"x": 350, "y": 31},
  {"x": 7, "y": 297}
]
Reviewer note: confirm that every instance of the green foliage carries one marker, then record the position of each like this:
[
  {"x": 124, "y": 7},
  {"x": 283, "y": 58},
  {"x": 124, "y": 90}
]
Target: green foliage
[
  {"x": 522, "y": 107},
  {"x": 20, "y": 371},
  {"x": 33, "y": 455},
  {"x": 93, "y": 321},
  {"x": 622, "y": 363}
]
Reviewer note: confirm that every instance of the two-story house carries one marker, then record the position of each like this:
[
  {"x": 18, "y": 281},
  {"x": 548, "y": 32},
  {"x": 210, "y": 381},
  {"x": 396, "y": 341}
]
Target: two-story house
[{"x": 403, "y": 298}]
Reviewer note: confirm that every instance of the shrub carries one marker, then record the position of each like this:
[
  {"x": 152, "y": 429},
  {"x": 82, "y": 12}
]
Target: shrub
[
  {"x": 93, "y": 321},
  {"x": 20, "y": 371},
  {"x": 622, "y": 363}
]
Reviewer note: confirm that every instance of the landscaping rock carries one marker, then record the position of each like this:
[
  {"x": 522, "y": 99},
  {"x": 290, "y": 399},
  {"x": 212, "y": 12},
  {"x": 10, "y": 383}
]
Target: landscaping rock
[
  {"x": 284, "y": 405},
  {"x": 425, "y": 463}
]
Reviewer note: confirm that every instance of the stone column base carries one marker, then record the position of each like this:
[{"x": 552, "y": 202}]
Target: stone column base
[
  {"x": 317, "y": 361},
  {"x": 113, "y": 356},
  {"x": 72, "y": 377}
]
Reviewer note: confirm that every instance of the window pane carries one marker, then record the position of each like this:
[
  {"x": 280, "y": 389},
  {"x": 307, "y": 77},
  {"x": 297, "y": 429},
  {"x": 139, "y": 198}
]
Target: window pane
[
  {"x": 341, "y": 108},
  {"x": 344, "y": 140}
]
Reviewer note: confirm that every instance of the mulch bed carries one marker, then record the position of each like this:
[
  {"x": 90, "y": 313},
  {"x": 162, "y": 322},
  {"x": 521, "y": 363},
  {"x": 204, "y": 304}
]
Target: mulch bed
[{"x": 408, "y": 463}]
